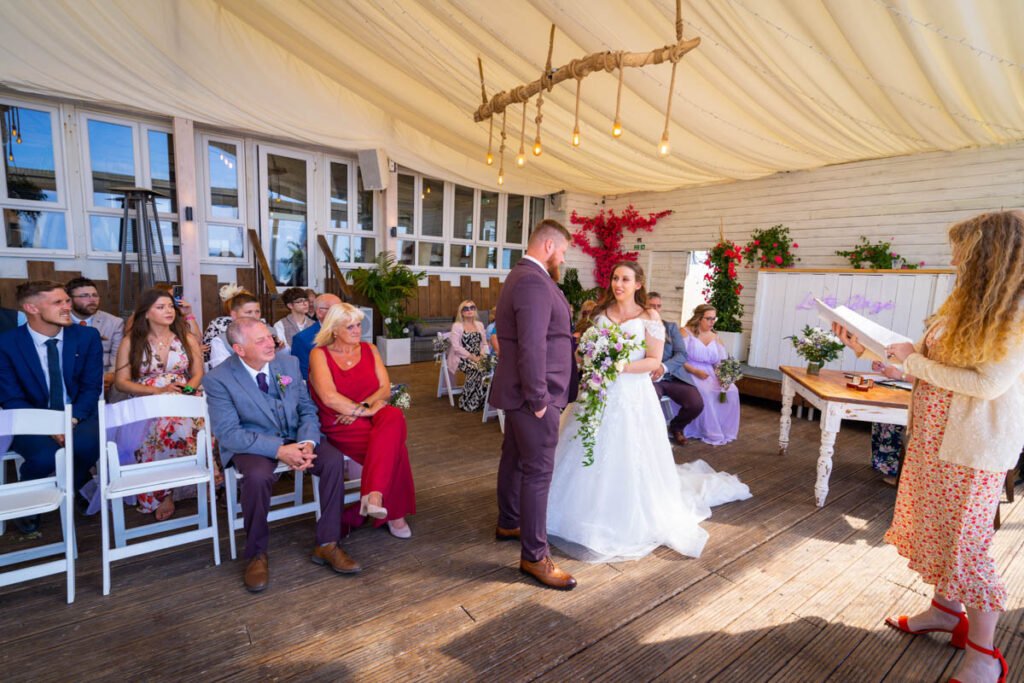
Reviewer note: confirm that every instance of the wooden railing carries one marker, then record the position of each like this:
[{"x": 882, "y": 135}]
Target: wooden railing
[
  {"x": 266, "y": 288},
  {"x": 334, "y": 279}
]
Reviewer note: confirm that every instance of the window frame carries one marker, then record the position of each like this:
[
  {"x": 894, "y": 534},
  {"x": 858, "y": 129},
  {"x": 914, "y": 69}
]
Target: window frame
[
  {"x": 203, "y": 139},
  {"x": 140, "y": 128},
  {"x": 352, "y": 232},
  {"x": 63, "y": 204}
]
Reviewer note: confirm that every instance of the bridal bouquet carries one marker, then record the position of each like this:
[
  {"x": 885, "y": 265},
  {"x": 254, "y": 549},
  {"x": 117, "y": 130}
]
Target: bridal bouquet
[
  {"x": 400, "y": 397},
  {"x": 728, "y": 373},
  {"x": 487, "y": 363},
  {"x": 605, "y": 352}
]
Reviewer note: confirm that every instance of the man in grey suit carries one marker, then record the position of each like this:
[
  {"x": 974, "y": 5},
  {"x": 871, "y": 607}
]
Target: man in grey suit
[
  {"x": 673, "y": 380},
  {"x": 531, "y": 384},
  {"x": 261, "y": 414},
  {"x": 85, "y": 311}
]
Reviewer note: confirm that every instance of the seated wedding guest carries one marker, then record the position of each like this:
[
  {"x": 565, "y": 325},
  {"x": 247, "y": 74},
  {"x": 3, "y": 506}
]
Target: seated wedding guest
[
  {"x": 311, "y": 298},
  {"x": 887, "y": 439},
  {"x": 219, "y": 325},
  {"x": 468, "y": 347},
  {"x": 185, "y": 308},
  {"x": 160, "y": 356},
  {"x": 262, "y": 416},
  {"x": 672, "y": 379},
  {"x": 242, "y": 305},
  {"x": 584, "y": 320},
  {"x": 85, "y": 311},
  {"x": 491, "y": 333},
  {"x": 44, "y": 364},
  {"x": 350, "y": 385},
  {"x": 303, "y": 342},
  {"x": 10, "y": 318},
  {"x": 718, "y": 423},
  {"x": 296, "y": 320},
  {"x": 967, "y": 432}
]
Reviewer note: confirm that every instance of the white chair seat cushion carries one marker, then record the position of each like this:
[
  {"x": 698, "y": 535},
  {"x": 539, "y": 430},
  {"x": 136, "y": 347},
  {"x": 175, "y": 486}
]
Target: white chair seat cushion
[
  {"x": 29, "y": 501},
  {"x": 168, "y": 477}
]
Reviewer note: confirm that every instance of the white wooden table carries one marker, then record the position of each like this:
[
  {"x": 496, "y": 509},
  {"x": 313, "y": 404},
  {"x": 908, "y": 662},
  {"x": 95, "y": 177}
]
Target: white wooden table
[{"x": 829, "y": 394}]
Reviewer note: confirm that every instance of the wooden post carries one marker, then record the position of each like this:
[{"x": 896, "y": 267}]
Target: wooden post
[{"x": 185, "y": 184}]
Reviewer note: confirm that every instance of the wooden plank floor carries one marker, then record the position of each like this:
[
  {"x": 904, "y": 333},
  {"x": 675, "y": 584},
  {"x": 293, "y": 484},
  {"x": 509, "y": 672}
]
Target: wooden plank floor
[{"x": 783, "y": 592}]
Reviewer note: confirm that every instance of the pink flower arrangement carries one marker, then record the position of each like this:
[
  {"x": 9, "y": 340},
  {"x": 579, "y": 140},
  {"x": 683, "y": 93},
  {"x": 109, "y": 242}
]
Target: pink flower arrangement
[{"x": 283, "y": 381}]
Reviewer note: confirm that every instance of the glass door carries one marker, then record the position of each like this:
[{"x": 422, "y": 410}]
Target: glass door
[{"x": 286, "y": 191}]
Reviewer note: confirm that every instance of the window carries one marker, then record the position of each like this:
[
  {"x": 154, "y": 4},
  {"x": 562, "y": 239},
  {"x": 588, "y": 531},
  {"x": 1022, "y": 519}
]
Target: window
[
  {"x": 351, "y": 245},
  {"x": 32, "y": 197},
  {"x": 223, "y": 165},
  {"x": 471, "y": 228},
  {"x": 122, "y": 153}
]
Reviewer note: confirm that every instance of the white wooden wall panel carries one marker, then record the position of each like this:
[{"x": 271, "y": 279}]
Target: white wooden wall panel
[
  {"x": 910, "y": 201},
  {"x": 901, "y": 302}
]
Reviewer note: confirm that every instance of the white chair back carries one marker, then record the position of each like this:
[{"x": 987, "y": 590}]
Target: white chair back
[
  {"x": 446, "y": 381},
  {"x": 120, "y": 477},
  {"x": 37, "y": 496}
]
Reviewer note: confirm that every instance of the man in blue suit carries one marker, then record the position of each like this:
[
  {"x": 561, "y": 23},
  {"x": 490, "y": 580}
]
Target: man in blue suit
[
  {"x": 46, "y": 363},
  {"x": 302, "y": 343},
  {"x": 263, "y": 416},
  {"x": 673, "y": 380}
]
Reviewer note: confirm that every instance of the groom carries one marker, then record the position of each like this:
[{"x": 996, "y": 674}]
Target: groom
[{"x": 531, "y": 384}]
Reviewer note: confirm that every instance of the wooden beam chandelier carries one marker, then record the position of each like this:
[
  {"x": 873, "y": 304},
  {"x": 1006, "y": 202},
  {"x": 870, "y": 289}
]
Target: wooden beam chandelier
[{"x": 577, "y": 69}]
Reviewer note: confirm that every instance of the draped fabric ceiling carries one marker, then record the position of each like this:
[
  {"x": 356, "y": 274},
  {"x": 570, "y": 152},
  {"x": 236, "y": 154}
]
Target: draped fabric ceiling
[{"x": 775, "y": 85}]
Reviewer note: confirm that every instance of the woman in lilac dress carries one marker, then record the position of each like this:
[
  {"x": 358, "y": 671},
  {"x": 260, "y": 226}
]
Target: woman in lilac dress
[{"x": 719, "y": 422}]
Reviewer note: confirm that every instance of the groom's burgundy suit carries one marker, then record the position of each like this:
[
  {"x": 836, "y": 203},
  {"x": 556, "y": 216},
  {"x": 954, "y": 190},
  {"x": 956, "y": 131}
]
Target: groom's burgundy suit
[{"x": 534, "y": 332}]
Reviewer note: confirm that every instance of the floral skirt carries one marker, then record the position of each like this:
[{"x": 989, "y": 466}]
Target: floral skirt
[
  {"x": 886, "y": 442},
  {"x": 944, "y": 512}
]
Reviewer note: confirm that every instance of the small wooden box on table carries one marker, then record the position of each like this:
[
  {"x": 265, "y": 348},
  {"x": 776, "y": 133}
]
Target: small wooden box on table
[{"x": 828, "y": 393}]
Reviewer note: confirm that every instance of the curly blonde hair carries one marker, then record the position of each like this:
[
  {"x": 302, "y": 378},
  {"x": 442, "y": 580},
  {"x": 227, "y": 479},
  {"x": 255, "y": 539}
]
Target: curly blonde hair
[{"x": 983, "y": 313}]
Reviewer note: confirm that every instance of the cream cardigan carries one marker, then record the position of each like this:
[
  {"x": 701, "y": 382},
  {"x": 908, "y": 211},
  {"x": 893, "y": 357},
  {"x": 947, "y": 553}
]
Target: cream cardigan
[{"x": 985, "y": 426}]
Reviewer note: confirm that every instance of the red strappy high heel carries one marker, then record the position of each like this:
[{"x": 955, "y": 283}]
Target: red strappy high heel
[
  {"x": 994, "y": 653},
  {"x": 959, "y": 640}
]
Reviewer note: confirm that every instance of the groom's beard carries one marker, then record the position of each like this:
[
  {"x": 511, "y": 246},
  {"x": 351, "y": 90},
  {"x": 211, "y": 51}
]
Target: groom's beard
[{"x": 554, "y": 271}]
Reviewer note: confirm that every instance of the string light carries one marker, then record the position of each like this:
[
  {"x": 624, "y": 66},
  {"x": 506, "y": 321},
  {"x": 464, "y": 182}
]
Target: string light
[
  {"x": 521, "y": 157},
  {"x": 576, "y": 120},
  {"x": 617, "y": 126},
  {"x": 501, "y": 151},
  {"x": 663, "y": 146},
  {"x": 490, "y": 139}
]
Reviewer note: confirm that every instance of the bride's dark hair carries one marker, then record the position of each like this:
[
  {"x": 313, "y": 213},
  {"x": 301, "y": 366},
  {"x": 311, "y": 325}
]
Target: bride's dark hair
[{"x": 639, "y": 296}]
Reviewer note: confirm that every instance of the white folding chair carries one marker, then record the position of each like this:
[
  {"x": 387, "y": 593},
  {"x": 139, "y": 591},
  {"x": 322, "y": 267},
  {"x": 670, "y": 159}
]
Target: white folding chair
[
  {"x": 4, "y": 459},
  {"x": 119, "y": 481},
  {"x": 283, "y": 505},
  {"x": 445, "y": 380},
  {"x": 669, "y": 408},
  {"x": 489, "y": 410},
  {"x": 35, "y": 497}
]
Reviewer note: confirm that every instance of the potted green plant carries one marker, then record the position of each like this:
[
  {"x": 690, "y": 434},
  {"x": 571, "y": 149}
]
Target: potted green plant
[
  {"x": 387, "y": 286},
  {"x": 876, "y": 256},
  {"x": 575, "y": 293},
  {"x": 722, "y": 290}
]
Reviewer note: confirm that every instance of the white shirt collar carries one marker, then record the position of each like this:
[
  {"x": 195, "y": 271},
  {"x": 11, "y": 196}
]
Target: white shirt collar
[
  {"x": 88, "y": 321},
  {"x": 253, "y": 373},
  {"x": 527, "y": 257},
  {"x": 40, "y": 339}
]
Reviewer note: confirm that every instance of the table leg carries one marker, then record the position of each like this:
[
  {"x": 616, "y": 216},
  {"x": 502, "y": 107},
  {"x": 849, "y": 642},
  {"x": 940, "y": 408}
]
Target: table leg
[
  {"x": 830, "y": 421},
  {"x": 786, "y": 420}
]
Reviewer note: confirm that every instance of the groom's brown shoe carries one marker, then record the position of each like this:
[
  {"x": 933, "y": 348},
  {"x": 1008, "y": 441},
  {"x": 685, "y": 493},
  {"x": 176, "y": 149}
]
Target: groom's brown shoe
[
  {"x": 333, "y": 555},
  {"x": 548, "y": 573},
  {"x": 506, "y": 534},
  {"x": 257, "y": 574}
]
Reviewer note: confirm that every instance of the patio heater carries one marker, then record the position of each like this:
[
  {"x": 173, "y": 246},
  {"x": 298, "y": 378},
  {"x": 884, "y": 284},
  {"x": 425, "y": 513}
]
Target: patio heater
[{"x": 137, "y": 228}]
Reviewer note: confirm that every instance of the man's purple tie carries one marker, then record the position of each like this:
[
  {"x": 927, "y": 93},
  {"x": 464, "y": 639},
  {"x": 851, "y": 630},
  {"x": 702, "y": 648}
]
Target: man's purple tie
[{"x": 261, "y": 379}]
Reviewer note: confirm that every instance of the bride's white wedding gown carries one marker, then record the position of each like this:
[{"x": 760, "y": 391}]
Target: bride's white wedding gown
[{"x": 634, "y": 497}]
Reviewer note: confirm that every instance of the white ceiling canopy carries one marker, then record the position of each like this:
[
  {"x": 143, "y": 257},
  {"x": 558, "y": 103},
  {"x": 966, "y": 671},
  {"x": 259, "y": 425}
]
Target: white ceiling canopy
[{"x": 775, "y": 85}]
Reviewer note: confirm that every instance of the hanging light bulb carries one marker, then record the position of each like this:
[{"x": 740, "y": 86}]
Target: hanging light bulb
[
  {"x": 490, "y": 141},
  {"x": 576, "y": 136},
  {"x": 617, "y": 126},
  {"x": 617, "y": 129},
  {"x": 663, "y": 146},
  {"x": 520, "y": 158},
  {"x": 501, "y": 175},
  {"x": 537, "y": 149}
]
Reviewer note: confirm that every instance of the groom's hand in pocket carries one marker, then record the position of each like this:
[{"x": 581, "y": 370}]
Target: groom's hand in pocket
[{"x": 540, "y": 413}]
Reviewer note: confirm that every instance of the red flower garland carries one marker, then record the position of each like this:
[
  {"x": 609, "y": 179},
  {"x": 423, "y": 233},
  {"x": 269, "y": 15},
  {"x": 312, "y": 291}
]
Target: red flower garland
[{"x": 607, "y": 227}]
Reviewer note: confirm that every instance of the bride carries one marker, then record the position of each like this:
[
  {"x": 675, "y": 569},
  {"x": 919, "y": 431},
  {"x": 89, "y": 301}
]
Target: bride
[{"x": 634, "y": 497}]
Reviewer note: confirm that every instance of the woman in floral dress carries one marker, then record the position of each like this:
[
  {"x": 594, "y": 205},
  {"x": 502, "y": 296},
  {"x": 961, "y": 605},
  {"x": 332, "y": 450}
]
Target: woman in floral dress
[
  {"x": 468, "y": 348},
  {"x": 160, "y": 356},
  {"x": 965, "y": 433}
]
